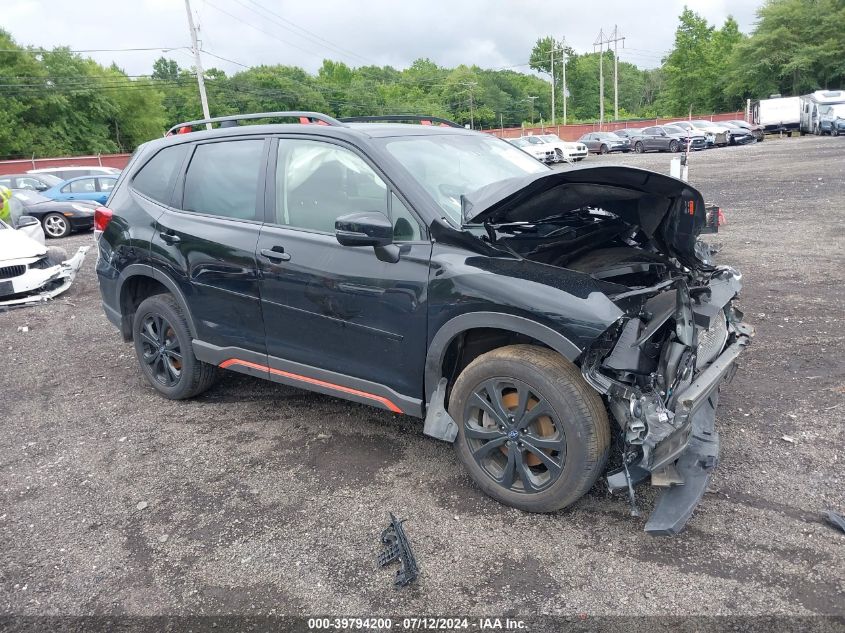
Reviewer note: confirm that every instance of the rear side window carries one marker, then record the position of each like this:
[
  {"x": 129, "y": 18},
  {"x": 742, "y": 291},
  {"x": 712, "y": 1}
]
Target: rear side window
[
  {"x": 222, "y": 179},
  {"x": 86, "y": 185},
  {"x": 157, "y": 177}
]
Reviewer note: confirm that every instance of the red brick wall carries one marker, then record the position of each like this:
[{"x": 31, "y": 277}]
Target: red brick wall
[{"x": 24, "y": 165}]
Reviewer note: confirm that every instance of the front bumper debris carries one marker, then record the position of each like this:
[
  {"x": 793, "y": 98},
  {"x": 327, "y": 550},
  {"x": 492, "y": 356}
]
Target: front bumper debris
[{"x": 37, "y": 285}]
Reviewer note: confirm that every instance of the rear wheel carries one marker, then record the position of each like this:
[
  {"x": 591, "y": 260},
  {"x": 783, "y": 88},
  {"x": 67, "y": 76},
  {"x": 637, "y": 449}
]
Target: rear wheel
[
  {"x": 603, "y": 149},
  {"x": 531, "y": 433},
  {"x": 163, "y": 347},
  {"x": 638, "y": 147},
  {"x": 56, "y": 225}
]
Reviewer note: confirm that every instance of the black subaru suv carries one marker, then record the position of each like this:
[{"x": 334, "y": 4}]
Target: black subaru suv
[{"x": 534, "y": 317}]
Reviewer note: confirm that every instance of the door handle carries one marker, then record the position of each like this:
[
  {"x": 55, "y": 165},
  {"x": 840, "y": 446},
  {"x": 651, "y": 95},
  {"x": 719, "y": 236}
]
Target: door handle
[
  {"x": 276, "y": 253},
  {"x": 169, "y": 238}
]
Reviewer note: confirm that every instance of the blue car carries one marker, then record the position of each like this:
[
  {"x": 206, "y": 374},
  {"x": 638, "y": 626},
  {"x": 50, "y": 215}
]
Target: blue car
[{"x": 95, "y": 188}]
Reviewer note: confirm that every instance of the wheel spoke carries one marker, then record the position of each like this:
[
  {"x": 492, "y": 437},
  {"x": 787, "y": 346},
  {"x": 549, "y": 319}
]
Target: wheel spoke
[
  {"x": 149, "y": 339},
  {"x": 494, "y": 412},
  {"x": 550, "y": 464},
  {"x": 553, "y": 443},
  {"x": 539, "y": 410},
  {"x": 509, "y": 472},
  {"x": 525, "y": 475},
  {"x": 481, "y": 433},
  {"x": 485, "y": 449},
  {"x": 523, "y": 393},
  {"x": 171, "y": 372}
]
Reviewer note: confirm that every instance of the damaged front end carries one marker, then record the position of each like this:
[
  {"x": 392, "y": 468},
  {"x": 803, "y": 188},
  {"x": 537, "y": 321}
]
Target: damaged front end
[
  {"x": 660, "y": 365},
  {"x": 37, "y": 279},
  {"x": 660, "y": 368}
]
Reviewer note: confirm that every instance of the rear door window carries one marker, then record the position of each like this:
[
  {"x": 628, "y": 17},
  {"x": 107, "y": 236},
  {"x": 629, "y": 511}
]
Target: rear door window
[
  {"x": 106, "y": 184},
  {"x": 157, "y": 177},
  {"x": 85, "y": 185},
  {"x": 222, "y": 179}
]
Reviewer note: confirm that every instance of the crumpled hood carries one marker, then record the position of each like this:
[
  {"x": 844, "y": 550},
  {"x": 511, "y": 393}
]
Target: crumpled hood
[
  {"x": 16, "y": 245},
  {"x": 668, "y": 210}
]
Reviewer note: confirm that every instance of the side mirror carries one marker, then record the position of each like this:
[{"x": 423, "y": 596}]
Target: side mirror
[
  {"x": 369, "y": 228},
  {"x": 26, "y": 220}
]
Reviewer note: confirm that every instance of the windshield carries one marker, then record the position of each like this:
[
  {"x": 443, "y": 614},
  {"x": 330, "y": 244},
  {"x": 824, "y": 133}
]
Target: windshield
[
  {"x": 449, "y": 166},
  {"x": 838, "y": 110},
  {"x": 552, "y": 138}
]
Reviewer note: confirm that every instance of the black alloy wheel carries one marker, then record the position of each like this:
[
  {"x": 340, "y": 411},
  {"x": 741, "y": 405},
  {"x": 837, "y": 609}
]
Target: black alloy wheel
[
  {"x": 603, "y": 149},
  {"x": 638, "y": 147},
  {"x": 513, "y": 435},
  {"x": 161, "y": 350},
  {"x": 674, "y": 146}
]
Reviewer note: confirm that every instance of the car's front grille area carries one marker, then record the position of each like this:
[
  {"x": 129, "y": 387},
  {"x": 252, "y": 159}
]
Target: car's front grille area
[
  {"x": 7, "y": 272},
  {"x": 711, "y": 342}
]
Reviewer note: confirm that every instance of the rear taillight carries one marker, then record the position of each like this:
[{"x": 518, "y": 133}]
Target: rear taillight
[{"x": 102, "y": 217}]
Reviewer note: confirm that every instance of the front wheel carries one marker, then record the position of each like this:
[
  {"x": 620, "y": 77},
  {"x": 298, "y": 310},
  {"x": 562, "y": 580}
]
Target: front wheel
[
  {"x": 531, "y": 433},
  {"x": 603, "y": 149},
  {"x": 638, "y": 147},
  {"x": 674, "y": 146},
  {"x": 56, "y": 225},
  {"x": 163, "y": 347}
]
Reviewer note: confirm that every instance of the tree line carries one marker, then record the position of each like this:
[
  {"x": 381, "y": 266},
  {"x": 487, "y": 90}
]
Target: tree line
[{"x": 59, "y": 103}]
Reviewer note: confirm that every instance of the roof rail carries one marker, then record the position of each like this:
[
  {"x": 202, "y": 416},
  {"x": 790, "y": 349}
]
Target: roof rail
[
  {"x": 305, "y": 117},
  {"x": 398, "y": 118}
]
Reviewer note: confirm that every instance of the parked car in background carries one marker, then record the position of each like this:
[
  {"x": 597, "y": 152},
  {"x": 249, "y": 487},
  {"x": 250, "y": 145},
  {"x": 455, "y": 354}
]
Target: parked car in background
[
  {"x": 666, "y": 138},
  {"x": 832, "y": 119},
  {"x": 628, "y": 132},
  {"x": 738, "y": 135},
  {"x": 33, "y": 182},
  {"x": 31, "y": 272},
  {"x": 564, "y": 150},
  {"x": 721, "y": 134},
  {"x": 536, "y": 148},
  {"x": 96, "y": 188},
  {"x": 709, "y": 136},
  {"x": 66, "y": 173},
  {"x": 758, "y": 131},
  {"x": 58, "y": 217},
  {"x": 605, "y": 142}
]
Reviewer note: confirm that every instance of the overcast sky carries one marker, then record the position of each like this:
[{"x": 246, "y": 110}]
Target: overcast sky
[{"x": 490, "y": 33}]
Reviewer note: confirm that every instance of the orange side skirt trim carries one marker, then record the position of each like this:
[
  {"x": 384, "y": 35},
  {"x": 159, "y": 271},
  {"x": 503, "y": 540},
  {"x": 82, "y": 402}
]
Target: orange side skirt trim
[{"x": 312, "y": 381}]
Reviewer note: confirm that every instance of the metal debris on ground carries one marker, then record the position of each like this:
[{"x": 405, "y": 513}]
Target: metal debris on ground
[
  {"x": 788, "y": 438},
  {"x": 398, "y": 547},
  {"x": 835, "y": 519}
]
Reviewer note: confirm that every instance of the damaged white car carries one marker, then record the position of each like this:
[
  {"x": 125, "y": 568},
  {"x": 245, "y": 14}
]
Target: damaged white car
[{"x": 31, "y": 272}]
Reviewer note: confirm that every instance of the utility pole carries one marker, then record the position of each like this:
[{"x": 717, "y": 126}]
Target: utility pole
[
  {"x": 198, "y": 63},
  {"x": 600, "y": 43},
  {"x": 470, "y": 85},
  {"x": 616, "y": 39},
  {"x": 531, "y": 99},
  {"x": 563, "y": 59}
]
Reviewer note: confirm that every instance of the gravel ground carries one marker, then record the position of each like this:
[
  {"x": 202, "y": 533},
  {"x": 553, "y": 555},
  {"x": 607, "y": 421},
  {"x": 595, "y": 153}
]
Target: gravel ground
[{"x": 261, "y": 499}]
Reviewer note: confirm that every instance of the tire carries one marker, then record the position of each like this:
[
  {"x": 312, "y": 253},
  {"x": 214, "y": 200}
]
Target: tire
[
  {"x": 55, "y": 225},
  {"x": 674, "y": 146},
  {"x": 576, "y": 424},
  {"x": 638, "y": 147},
  {"x": 160, "y": 332},
  {"x": 603, "y": 149}
]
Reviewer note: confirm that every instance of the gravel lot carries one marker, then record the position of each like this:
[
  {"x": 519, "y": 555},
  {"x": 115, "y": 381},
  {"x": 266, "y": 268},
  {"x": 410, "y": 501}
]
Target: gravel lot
[{"x": 261, "y": 499}]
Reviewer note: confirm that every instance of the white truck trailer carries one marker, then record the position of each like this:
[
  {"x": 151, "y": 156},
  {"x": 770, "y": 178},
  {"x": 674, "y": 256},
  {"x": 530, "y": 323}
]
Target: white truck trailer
[{"x": 777, "y": 114}]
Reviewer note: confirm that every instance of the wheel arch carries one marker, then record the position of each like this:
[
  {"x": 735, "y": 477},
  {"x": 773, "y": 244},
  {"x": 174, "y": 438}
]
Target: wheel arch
[
  {"x": 456, "y": 329},
  {"x": 139, "y": 281}
]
